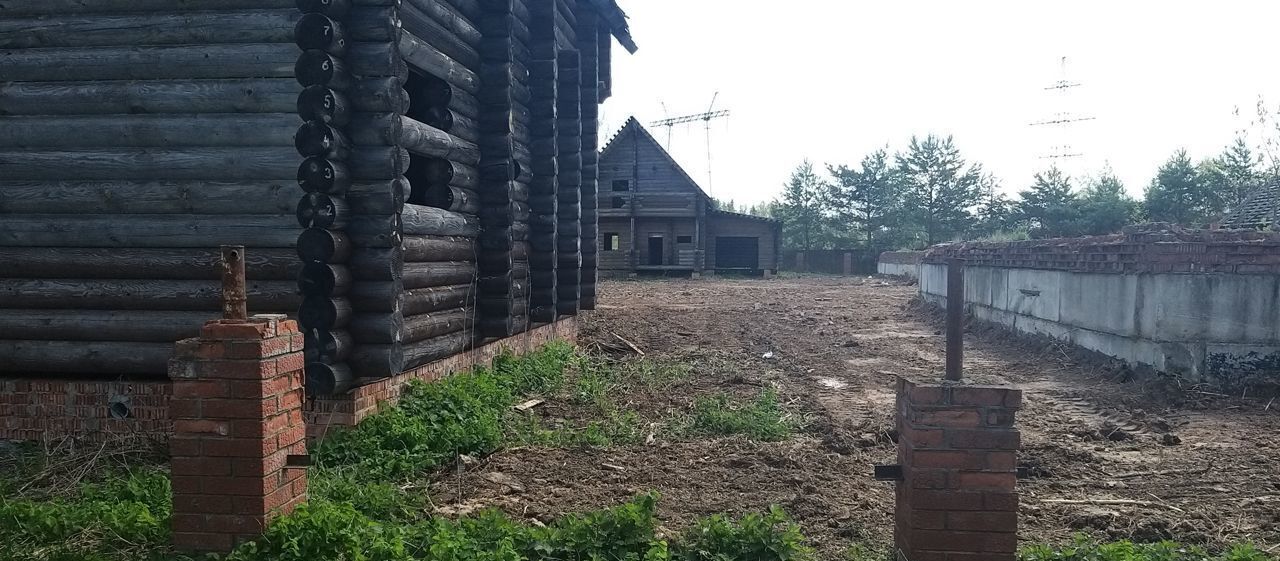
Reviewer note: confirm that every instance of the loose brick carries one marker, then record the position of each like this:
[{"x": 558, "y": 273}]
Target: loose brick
[
  {"x": 929, "y": 478},
  {"x": 983, "y": 521},
  {"x": 186, "y": 427},
  {"x": 964, "y": 542},
  {"x": 947, "y": 499},
  {"x": 927, "y": 395},
  {"x": 979, "y": 395},
  {"x": 984, "y": 439},
  {"x": 922, "y": 438},
  {"x": 946, "y": 418},
  {"x": 987, "y": 481},
  {"x": 234, "y": 330}
]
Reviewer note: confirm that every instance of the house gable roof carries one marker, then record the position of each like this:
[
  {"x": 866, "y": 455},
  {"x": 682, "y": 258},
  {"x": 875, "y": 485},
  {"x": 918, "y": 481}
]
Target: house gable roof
[
  {"x": 1260, "y": 208},
  {"x": 633, "y": 126}
]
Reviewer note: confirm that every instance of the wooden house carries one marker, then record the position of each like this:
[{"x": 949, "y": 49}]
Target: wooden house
[
  {"x": 654, "y": 218},
  {"x": 410, "y": 178}
]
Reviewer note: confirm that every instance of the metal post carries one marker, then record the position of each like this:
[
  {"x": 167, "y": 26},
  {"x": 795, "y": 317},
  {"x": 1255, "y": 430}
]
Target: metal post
[
  {"x": 234, "y": 303},
  {"x": 955, "y": 319}
]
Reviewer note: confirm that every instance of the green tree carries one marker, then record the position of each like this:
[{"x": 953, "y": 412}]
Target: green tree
[
  {"x": 866, "y": 200},
  {"x": 995, "y": 214},
  {"x": 940, "y": 189},
  {"x": 1105, "y": 207},
  {"x": 1049, "y": 208},
  {"x": 1233, "y": 174},
  {"x": 1179, "y": 194},
  {"x": 802, "y": 210}
]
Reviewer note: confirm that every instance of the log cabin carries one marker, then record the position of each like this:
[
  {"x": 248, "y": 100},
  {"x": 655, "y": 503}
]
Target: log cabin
[
  {"x": 655, "y": 219},
  {"x": 410, "y": 178}
]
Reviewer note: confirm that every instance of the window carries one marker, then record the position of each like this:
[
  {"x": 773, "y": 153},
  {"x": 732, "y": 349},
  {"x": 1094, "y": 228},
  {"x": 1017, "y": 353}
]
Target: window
[
  {"x": 611, "y": 242},
  {"x": 622, "y": 185},
  {"x": 684, "y": 239},
  {"x": 619, "y": 202}
]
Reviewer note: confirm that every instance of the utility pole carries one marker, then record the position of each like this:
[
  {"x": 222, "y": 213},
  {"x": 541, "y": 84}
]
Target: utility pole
[
  {"x": 706, "y": 117},
  {"x": 1062, "y": 119}
]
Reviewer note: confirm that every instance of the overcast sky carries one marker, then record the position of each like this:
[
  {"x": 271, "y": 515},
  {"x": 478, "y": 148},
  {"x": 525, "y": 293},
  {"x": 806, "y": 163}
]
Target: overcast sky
[{"x": 831, "y": 80}]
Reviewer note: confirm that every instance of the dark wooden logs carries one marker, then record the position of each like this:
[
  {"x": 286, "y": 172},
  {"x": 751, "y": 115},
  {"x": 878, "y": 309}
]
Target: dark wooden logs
[
  {"x": 451, "y": 199},
  {"x": 428, "y": 350},
  {"x": 447, "y": 273},
  {"x": 438, "y": 248},
  {"x": 328, "y": 346},
  {"x": 139, "y": 263},
  {"x": 325, "y": 246},
  {"x": 428, "y": 221},
  {"x": 318, "y": 210},
  {"x": 118, "y": 131},
  {"x": 108, "y": 325},
  {"x": 225, "y": 164},
  {"x": 377, "y": 361},
  {"x": 324, "y": 313},
  {"x": 154, "y": 230},
  {"x": 104, "y": 357},
  {"x": 322, "y": 175},
  {"x": 437, "y": 171},
  {"x": 115, "y": 294},
  {"x": 423, "y": 56},
  {"x": 415, "y": 136},
  {"x": 146, "y": 197},
  {"x": 317, "y": 31},
  {"x": 263, "y": 60},
  {"x": 429, "y": 91},
  {"x": 390, "y": 328},
  {"x": 12, "y": 8},
  {"x": 381, "y": 197},
  {"x": 328, "y": 379},
  {"x": 322, "y": 279},
  {"x": 428, "y": 300},
  {"x": 445, "y": 14},
  {"x": 238, "y": 95}
]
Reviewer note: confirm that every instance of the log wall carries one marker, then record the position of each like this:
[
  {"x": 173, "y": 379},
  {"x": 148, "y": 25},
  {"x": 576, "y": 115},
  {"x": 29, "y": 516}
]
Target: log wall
[
  {"x": 443, "y": 153},
  {"x": 135, "y": 138}
]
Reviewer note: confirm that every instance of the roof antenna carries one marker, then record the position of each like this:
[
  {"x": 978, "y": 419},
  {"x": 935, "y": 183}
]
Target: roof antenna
[{"x": 706, "y": 118}]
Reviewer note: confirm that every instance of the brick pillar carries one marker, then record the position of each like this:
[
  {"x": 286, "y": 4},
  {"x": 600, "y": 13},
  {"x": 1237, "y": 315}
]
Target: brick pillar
[
  {"x": 957, "y": 446},
  {"x": 237, "y": 415}
]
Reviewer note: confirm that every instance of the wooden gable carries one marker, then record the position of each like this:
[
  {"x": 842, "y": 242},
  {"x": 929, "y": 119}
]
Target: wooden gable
[{"x": 638, "y": 177}]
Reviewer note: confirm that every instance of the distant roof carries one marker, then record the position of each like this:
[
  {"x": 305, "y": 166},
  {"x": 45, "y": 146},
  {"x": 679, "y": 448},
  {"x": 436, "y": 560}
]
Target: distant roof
[
  {"x": 633, "y": 124},
  {"x": 1261, "y": 208},
  {"x": 617, "y": 20}
]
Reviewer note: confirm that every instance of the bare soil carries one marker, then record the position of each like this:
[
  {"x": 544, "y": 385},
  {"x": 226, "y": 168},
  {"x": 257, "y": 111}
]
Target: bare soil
[{"x": 1139, "y": 456}]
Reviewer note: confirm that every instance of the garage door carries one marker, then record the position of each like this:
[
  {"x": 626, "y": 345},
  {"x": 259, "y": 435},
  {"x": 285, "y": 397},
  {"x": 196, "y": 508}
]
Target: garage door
[{"x": 737, "y": 253}]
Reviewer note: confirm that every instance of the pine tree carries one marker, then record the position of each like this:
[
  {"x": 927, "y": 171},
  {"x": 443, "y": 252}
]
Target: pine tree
[
  {"x": 995, "y": 214},
  {"x": 940, "y": 189},
  {"x": 1179, "y": 194},
  {"x": 1233, "y": 174},
  {"x": 866, "y": 200},
  {"x": 802, "y": 209},
  {"x": 1105, "y": 207},
  {"x": 1049, "y": 207}
]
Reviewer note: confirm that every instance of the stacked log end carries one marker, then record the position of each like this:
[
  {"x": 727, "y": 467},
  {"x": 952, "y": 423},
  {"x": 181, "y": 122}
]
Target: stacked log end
[
  {"x": 569, "y": 194},
  {"x": 543, "y": 183},
  {"x": 588, "y": 46},
  {"x": 498, "y": 171},
  {"x": 325, "y": 179}
]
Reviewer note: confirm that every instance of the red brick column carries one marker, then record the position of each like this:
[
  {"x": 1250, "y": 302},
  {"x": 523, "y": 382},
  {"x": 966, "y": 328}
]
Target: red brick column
[
  {"x": 237, "y": 415},
  {"x": 957, "y": 446}
]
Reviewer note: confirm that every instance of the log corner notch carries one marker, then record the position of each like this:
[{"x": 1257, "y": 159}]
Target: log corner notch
[
  {"x": 324, "y": 178},
  {"x": 498, "y": 172}
]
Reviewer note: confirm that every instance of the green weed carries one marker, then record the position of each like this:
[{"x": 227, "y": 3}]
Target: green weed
[
  {"x": 769, "y": 536},
  {"x": 125, "y": 516},
  {"x": 1086, "y": 550},
  {"x": 760, "y": 419}
]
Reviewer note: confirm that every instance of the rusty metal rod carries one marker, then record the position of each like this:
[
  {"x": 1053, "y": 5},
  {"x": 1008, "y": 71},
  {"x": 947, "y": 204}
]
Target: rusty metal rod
[
  {"x": 235, "y": 304},
  {"x": 955, "y": 319}
]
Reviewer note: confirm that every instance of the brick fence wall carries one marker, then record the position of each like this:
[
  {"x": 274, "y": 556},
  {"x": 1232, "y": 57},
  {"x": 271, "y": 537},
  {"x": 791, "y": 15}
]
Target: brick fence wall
[{"x": 1140, "y": 249}]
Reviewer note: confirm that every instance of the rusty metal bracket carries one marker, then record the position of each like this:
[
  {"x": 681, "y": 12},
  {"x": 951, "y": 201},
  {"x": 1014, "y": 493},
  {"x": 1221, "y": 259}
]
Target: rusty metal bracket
[
  {"x": 297, "y": 460},
  {"x": 891, "y": 472}
]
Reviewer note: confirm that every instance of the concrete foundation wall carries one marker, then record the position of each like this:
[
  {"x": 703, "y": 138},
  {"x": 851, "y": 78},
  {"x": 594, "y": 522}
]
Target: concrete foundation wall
[
  {"x": 899, "y": 269},
  {"x": 1218, "y": 328}
]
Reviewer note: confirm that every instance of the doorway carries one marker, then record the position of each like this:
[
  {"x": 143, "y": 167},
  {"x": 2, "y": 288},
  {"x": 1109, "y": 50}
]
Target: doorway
[{"x": 657, "y": 250}]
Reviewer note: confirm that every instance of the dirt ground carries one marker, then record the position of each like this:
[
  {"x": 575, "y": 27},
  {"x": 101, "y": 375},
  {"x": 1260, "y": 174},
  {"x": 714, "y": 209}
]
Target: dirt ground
[{"x": 1138, "y": 456}]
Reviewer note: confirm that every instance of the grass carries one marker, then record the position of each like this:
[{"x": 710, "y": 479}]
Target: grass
[
  {"x": 761, "y": 419},
  {"x": 1084, "y": 549}
]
